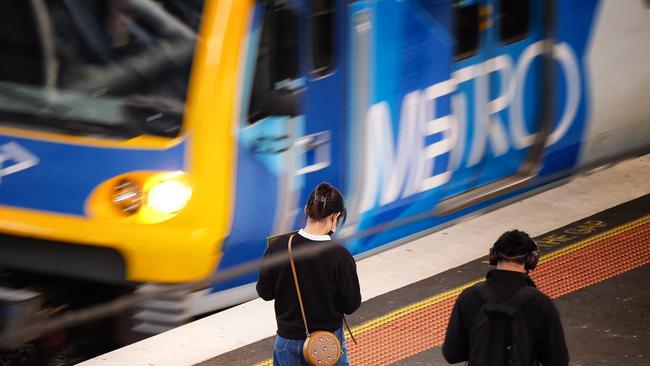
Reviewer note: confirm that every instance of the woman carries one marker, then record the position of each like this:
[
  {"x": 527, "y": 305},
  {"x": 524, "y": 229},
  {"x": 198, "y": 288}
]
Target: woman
[{"x": 328, "y": 281}]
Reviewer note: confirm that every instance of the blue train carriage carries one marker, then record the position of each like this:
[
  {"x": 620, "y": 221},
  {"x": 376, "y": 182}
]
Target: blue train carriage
[
  {"x": 151, "y": 141},
  {"x": 417, "y": 105},
  {"x": 423, "y": 111}
]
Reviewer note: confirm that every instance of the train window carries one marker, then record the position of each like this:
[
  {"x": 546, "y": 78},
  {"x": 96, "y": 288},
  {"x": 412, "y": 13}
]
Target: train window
[
  {"x": 321, "y": 22},
  {"x": 466, "y": 28},
  {"x": 258, "y": 107},
  {"x": 514, "y": 19},
  {"x": 285, "y": 44},
  {"x": 277, "y": 60},
  {"x": 100, "y": 68}
]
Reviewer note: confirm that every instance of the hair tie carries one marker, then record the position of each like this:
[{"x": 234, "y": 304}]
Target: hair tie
[{"x": 324, "y": 200}]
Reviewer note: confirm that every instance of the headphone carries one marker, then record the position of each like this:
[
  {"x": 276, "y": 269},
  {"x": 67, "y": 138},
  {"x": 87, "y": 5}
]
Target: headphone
[{"x": 530, "y": 261}]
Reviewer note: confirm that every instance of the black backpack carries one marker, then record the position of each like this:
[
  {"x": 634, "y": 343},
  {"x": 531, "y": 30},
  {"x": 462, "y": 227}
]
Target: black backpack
[{"x": 500, "y": 334}]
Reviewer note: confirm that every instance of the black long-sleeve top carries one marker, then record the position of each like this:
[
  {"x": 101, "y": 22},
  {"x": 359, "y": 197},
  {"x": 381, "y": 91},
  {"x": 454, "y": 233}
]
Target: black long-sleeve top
[
  {"x": 328, "y": 283},
  {"x": 540, "y": 313}
]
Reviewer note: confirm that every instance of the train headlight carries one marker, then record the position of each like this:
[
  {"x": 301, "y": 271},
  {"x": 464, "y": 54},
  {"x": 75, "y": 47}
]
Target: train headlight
[
  {"x": 168, "y": 196},
  {"x": 127, "y": 196}
]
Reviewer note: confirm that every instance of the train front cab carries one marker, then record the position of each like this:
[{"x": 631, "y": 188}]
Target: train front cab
[
  {"x": 80, "y": 176},
  {"x": 116, "y": 148}
]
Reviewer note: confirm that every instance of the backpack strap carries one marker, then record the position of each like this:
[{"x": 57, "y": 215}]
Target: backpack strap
[
  {"x": 491, "y": 302},
  {"x": 510, "y": 307},
  {"x": 486, "y": 293},
  {"x": 522, "y": 296}
]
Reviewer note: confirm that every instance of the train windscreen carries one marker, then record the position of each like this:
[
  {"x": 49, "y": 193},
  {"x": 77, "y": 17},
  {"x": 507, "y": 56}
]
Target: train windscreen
[{"x": 108, "y": 68}]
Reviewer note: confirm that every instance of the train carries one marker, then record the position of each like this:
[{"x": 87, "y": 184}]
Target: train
[{"x": 153, "y": 142}]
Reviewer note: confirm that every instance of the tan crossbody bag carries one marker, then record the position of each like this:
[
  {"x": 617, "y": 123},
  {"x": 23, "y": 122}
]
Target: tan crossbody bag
[{"x": 321, "y": 348}]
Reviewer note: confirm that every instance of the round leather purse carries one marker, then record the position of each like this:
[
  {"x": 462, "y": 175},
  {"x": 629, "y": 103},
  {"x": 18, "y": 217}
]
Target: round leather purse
[{"x": 321, "y": 348}]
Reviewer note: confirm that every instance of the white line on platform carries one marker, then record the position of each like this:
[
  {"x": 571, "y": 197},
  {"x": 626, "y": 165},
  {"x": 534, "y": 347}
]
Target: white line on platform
[{"x": 400, "y": 266}]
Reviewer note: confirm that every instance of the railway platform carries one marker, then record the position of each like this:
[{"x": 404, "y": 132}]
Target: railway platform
[
  {"x": 597, "y": 270},
  {"x": 594, "y": 237}
]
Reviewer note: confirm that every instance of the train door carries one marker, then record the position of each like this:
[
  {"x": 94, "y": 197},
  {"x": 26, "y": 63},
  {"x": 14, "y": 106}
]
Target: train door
[
  {"x": 512, "y": 27},
  {"x": 321, "y": 149},
  {"x": 291, "y": 123},
  {"x": 471, "y": 38},
  {"x": 296, "y": 105},
  {"x": 500, "y": 99}
]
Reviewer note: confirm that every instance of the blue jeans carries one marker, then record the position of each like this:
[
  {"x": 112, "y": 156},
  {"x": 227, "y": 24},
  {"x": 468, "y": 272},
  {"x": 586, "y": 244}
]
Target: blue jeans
[{"x": 288, "y": 352}]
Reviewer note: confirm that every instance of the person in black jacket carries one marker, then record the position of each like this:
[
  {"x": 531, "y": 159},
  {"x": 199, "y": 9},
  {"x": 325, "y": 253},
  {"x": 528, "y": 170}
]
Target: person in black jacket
[
  {"x": 514, "y": 253},
  {"x": 328, "y": 280}
]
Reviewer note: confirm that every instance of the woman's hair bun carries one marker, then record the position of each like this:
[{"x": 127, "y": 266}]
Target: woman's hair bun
[
  {"x": 323, "y": 201},
  {"x": 323, "y": 190}
]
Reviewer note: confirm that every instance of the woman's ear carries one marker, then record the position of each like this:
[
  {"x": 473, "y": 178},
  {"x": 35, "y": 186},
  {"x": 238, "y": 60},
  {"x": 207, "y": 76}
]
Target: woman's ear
[
  {"x": 305, "y": 210},
  {"x": 335, "y": 217}
]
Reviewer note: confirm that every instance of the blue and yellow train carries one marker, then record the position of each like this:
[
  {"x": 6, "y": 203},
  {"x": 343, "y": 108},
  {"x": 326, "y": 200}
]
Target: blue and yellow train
[{"x": 159, "y": 141}]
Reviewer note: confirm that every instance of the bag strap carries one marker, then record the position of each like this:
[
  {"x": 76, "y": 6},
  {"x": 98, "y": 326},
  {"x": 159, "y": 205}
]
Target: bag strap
[
  {"x": 486, "y": 293},
  {"x": 349, "y": 330},
  {"x": 295, "y": 280},
  {"x": 522, "y": 296},
  {"x": 302, "y": 308},
  {"x": 510, "y": 307}
]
